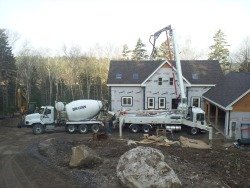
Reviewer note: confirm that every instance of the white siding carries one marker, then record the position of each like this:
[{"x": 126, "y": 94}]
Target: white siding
[
  {"x": 153, "y": 90},
  {"x": 118, "y": 92},
  {"x": 196, "y": 92},
  {"x": 239, "y": 118}
]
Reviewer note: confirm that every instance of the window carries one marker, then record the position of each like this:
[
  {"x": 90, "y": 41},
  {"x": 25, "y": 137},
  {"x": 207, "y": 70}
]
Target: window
[
  {"x": 195, "y": 76},
  {"x": 200, "y": 117},
  {"x": 171, "y": 81},
  {"x": 162, "y": 102},
  {"x": 159, "y": 81},
  {"x": 135, "y": 76},
  {"x": 196, "y": 101},
  {"x": 118, "y": 76},
  {"x": 127, "y": 101},
  {"x": 151, "y": 102},
  {"x": 47, "y": 111}
]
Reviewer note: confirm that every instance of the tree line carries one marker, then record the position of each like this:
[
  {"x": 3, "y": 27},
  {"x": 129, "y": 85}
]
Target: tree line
[{"x": 37, "y": 77}]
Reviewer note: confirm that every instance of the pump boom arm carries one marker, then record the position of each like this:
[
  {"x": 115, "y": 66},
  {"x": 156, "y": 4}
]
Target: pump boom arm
[{"x": 176, "y": 54}]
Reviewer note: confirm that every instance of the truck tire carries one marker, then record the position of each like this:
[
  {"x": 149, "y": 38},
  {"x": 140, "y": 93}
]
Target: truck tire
[
  {"x": 134, "y": 128},
  {"x": 38, "y": 129},
  {"x": 193, "y": 131},
  {"x": 146, "y": 128},
  {"x": 95, "y": 128},
  {"x": 83, "y": 128},
  {"x": 70, "y": 128}
]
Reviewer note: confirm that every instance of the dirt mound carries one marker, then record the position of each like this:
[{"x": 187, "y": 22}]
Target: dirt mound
[
  {"x": 56, "y": 150},
  {"x": 216, "y": 167}
]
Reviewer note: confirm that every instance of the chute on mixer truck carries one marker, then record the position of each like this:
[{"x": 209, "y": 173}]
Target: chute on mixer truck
[{"x": 80, "y": 116}]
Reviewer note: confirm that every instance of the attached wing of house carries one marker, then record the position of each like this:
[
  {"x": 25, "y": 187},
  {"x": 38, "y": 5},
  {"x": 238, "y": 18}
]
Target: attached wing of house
[
  {"x": 228, "y": 105},
  {"x": 153, "y": 84}
]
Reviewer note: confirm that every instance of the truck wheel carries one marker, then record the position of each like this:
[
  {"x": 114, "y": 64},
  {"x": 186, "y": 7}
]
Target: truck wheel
[
  {"x": 95, "y": 128},
  {"x": 83, "y": 129},
  {"x": 134, "y": 128},
  {"x": 193, "y": 131},
  {"x": 70, "y": 128},
  {"x": 146, "y": 128},
  {"x": 38, "y": 129}
]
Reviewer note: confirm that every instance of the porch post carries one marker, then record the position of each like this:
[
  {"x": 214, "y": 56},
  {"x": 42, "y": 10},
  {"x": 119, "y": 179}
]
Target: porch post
[
  {"x": 208, "y": 111},
  {"x": 216, "y": 116},
  {"x": 227, "y": 123}
]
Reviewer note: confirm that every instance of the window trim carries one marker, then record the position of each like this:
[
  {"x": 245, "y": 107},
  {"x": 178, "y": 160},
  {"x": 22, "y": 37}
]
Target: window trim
[
  {"x": 171, "y": 81},
  {"x": 160, "y": 81},
  {"x": 162, "y": 107},
  {"x": 148, "y": 102},
  {"x": 199, "y": 101},
  {"x": 126, "y": 105}
]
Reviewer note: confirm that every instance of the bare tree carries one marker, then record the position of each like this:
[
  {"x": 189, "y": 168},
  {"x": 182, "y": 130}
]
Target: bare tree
[
  {"x": 242, "y": 56},
  {"x": 190, "y": 53}
]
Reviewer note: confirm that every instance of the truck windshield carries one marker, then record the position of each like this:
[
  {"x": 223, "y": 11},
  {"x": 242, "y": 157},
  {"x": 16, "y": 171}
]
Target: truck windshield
[{"x": 200, "y": 117}]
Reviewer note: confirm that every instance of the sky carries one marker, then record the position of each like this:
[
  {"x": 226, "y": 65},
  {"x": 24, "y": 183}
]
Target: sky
[{"x": 51, "y": 24}]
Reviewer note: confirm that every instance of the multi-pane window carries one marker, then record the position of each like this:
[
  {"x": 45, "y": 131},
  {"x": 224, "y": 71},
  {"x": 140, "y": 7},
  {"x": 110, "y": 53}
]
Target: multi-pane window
[
  {"x": 196, "y": 101},
  {"x": 171, "y": 81},
  {"x": 127, "y": 101},
  {"x": 151, "y": 102},
  {"x": 159, "y": 81},
  {"x": 162, "y": 102}
]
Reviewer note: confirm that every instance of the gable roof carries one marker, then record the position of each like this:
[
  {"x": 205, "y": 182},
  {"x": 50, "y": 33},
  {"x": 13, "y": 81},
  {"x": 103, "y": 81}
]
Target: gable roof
[
  {"x": 231, "y": 88},
  {"x": 195, "y": 71},
  {"x": 128, "y": 68},
  {"x": 202, "y": 71}
]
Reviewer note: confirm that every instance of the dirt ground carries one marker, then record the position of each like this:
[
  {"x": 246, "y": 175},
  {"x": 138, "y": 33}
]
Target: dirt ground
[{"x": 23, "y": 165}]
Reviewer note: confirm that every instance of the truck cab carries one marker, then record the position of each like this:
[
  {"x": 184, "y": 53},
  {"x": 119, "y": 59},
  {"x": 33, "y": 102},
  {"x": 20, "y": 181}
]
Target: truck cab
[
  {"x": 44, "y": 116},
  {"x": 196, "y": 115}
]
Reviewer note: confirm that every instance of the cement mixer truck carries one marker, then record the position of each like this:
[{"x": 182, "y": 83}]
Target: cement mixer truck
[{"x": 80, "y": 116}]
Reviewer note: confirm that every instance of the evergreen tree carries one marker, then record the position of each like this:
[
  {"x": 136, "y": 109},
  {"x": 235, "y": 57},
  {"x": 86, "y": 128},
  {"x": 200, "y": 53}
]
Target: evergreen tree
[
  {"x": 219, "y": 50},
  {"x": 7, "y": 74},
  {"x": 139, "y": 53},
  {"x": 125, "y": 52},
  {"x": 163, "y": 52}
]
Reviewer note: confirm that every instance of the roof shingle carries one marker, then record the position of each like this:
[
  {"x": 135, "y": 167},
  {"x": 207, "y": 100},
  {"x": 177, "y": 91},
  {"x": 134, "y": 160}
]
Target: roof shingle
[
  {"x": 195, "y": 71},
  {"x": 230, "y": 88}
]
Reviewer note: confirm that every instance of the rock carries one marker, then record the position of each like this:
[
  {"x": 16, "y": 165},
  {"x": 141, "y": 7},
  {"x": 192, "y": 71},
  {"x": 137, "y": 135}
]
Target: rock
[
  {"x": 46, "y": 147},
  {"x": 56, "y": 150},
  {"x": 84, "y": 156},
  {"x": 144, "y": 167}
]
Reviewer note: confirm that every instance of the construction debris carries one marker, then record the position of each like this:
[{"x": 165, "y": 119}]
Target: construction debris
[
  {"x": 163, "y": 141},
  {"x": 158, "y": 140},
  {"x": 191, "y": 143}
]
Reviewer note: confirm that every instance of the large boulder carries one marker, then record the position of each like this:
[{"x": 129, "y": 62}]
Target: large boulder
[
  {"x": 84, "y": 156},
  {"x": 144, "y": 167}
]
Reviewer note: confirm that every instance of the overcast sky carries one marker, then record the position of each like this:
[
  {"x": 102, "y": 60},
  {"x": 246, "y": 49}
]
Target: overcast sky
[{"x": 53, "y": 23}]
